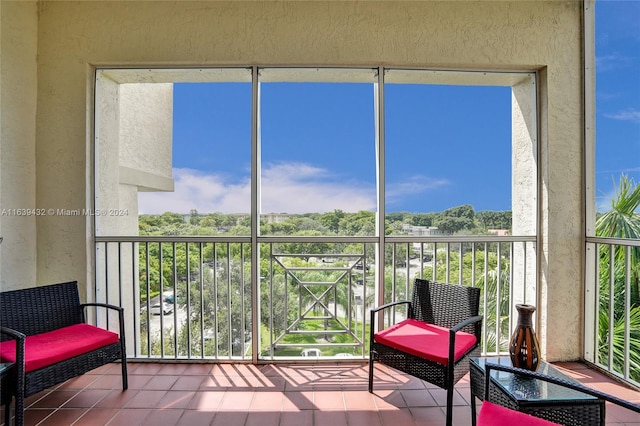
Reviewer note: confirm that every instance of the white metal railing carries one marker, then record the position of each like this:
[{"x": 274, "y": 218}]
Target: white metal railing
[
  {"x": 612, "y": 306},
  {"x": 192, "y": 298}
]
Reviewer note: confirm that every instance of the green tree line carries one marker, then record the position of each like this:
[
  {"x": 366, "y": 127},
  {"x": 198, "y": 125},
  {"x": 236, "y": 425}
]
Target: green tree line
[{"x": 461, "y": 219}]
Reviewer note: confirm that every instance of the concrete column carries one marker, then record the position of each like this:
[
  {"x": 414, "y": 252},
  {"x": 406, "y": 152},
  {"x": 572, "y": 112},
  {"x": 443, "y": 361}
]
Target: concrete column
[{"x": 524, "y": 159}]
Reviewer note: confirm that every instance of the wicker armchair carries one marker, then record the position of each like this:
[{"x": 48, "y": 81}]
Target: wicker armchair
[
  {"x": 436, "y": 340},
  {"x": 54, "y": 313},
  {"x": 492, "y": 414}
]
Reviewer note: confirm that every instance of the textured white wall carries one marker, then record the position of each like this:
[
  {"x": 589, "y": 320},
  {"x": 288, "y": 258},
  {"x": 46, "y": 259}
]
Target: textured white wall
[
  {"x": 545, "y": 36},
  {"x": 146, "y": 127},
  {"x": 18, "y": 92}
]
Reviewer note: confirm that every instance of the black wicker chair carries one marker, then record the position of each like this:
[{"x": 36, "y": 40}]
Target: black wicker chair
[
  {"x": 492, "y": 414},
  {"x": 12, "y": 385},
  {"x": 56, "y": 307},
  {"x": 434, "y": 343}
]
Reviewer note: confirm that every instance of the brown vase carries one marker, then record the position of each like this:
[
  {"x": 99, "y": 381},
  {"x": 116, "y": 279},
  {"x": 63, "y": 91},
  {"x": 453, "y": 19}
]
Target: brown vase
[{"x": 523, "y": 348}]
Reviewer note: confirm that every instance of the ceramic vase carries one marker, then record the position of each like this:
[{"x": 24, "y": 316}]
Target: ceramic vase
[{"x": 523, "y": 348}]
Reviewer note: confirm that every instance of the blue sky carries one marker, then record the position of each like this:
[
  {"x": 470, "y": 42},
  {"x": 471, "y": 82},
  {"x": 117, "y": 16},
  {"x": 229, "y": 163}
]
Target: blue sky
[
  {"x": 318, "y": 141},
  {"x": 617, "y": 95}
]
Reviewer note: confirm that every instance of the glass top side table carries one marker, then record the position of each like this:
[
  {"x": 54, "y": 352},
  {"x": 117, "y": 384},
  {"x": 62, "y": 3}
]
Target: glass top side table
[
  {"x": 7, "y": 387},
  {"x": 546, "y": 400}
]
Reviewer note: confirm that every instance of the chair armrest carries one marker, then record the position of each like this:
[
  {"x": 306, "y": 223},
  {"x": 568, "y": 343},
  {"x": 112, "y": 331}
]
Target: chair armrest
[
  {"x": 104, "y": 305},
  {"x": 120, "y": 310},
  {"x": 13, "y": 333},
  {"x": 558, "y": 381},
  {"x": 452, "y": 334},
  {"x": 466, "y": 322},
  {"x": 389, "y": 305},
  {"x": 372, "y": 328}
]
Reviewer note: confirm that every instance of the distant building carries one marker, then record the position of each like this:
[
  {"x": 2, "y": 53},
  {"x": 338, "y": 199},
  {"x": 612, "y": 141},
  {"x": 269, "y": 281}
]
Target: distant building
[
  {"x": 274, "y": 217},
  {"x": 423, "y": 230},
  {"x": 499, "y": 232}
]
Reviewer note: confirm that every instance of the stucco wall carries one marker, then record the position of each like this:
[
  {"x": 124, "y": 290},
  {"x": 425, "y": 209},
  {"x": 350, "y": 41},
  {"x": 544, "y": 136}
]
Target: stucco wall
[
  {"x": 74, "y": 36},
  {"x": 18, "y": 91}
]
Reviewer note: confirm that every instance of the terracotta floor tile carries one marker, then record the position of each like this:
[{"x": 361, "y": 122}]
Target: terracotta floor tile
[
  {"x": 440, "y": 396},
  {"x": 267, "y": 401},
  {"x": 176, "y": 399},
  {"x": 146, "y": 399},
  {"x": 296, "y": 401},
  {"x": 173, "y": 369},
  {"x": 265, "y": 418},
  {"x": 34, "y": 416},
  {"x": 63, "y": 416},
  {"x": 216, "y": 382},
  {"x": 86, "y": 399},
  {"x": 108, "y": 368},
  {"x": 229, "y": 418},
  {"x": 296, "y": 418},
  {"x": 397, "y": 417},
  {"x": 327, "y": 400},
  {"x": 97, "y": 416},
  {"x": 363, "y": 418},
  {"x": 161, "y": 382},
  {"x": 163, "y": 417},
  {"x": 196, "y": 418},
  {"x": 199, "y": 369},
  {"x": 428, "y": 415},
  {"x": 206, "y": 401},
  {"x": 330, "y": 418},
  {"x": 236, "y": 401},
  {"x": 271, "y": 384},
  {"x": 55, "y": 399},
  {"x": 188, "y": 383},
  {"x": 388, "y": 399},
  {"x": 79, "y": 382},
  {"x": 418, "y": 398},
  {"x": 621, "y": 414},
  {"x": 107, "y": 381},
  {"x": 147, "y": 369},
  {"x": 129, "y": 416},
  {"x": 358, "y": 400},
  {"x": 266, "y": 395},
  {"x": 116, "y": 399},
  {"x": 139, "y": 382}
]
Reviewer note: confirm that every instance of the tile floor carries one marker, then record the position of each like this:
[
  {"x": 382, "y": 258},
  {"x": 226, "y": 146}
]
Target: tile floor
[{"x": 267, "y": 395}]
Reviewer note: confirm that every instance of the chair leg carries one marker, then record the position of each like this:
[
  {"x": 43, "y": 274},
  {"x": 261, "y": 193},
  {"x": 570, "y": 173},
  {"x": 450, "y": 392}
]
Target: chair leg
[
  {"x": 450, "y": 406},
  {"x": 19, "y": 412},
  {"x": 370, "y": 373},
  {"x": 473, "y": 409},
  {"x": 7, "y": 412},
  {"x": 125, "y": 378}
]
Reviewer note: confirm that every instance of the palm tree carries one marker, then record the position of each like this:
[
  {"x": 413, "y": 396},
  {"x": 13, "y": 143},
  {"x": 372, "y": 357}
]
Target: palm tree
[{"x": 622, "y": 221}]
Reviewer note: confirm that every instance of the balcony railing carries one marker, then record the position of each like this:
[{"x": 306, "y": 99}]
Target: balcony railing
[
  {"x": 194, "y": 298},
  {"x": 612, "y": 306}
]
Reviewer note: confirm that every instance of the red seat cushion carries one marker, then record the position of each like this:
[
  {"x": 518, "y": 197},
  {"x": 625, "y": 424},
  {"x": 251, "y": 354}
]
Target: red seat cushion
[
  {"x": 52, "y": 347},
  {"x": 497, "y": 415},
  {"x": 425, "y": 340}
]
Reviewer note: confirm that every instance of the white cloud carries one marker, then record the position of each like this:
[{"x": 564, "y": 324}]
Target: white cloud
[
  {"x": 194, "y": 189},
  {"x": 286, "y": 188},
  {"x": 415, "y": 185},
  {"x": 611, "y": 62},
  {"x": 629, "y": 115}
]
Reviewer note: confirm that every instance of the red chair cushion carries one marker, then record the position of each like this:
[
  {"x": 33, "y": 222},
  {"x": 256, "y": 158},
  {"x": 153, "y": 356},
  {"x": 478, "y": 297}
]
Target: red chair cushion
[
  {"x": 49, "y": 348},
  {"x": 497, "y": 415},
  {"x": 424, "y": 340}
]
